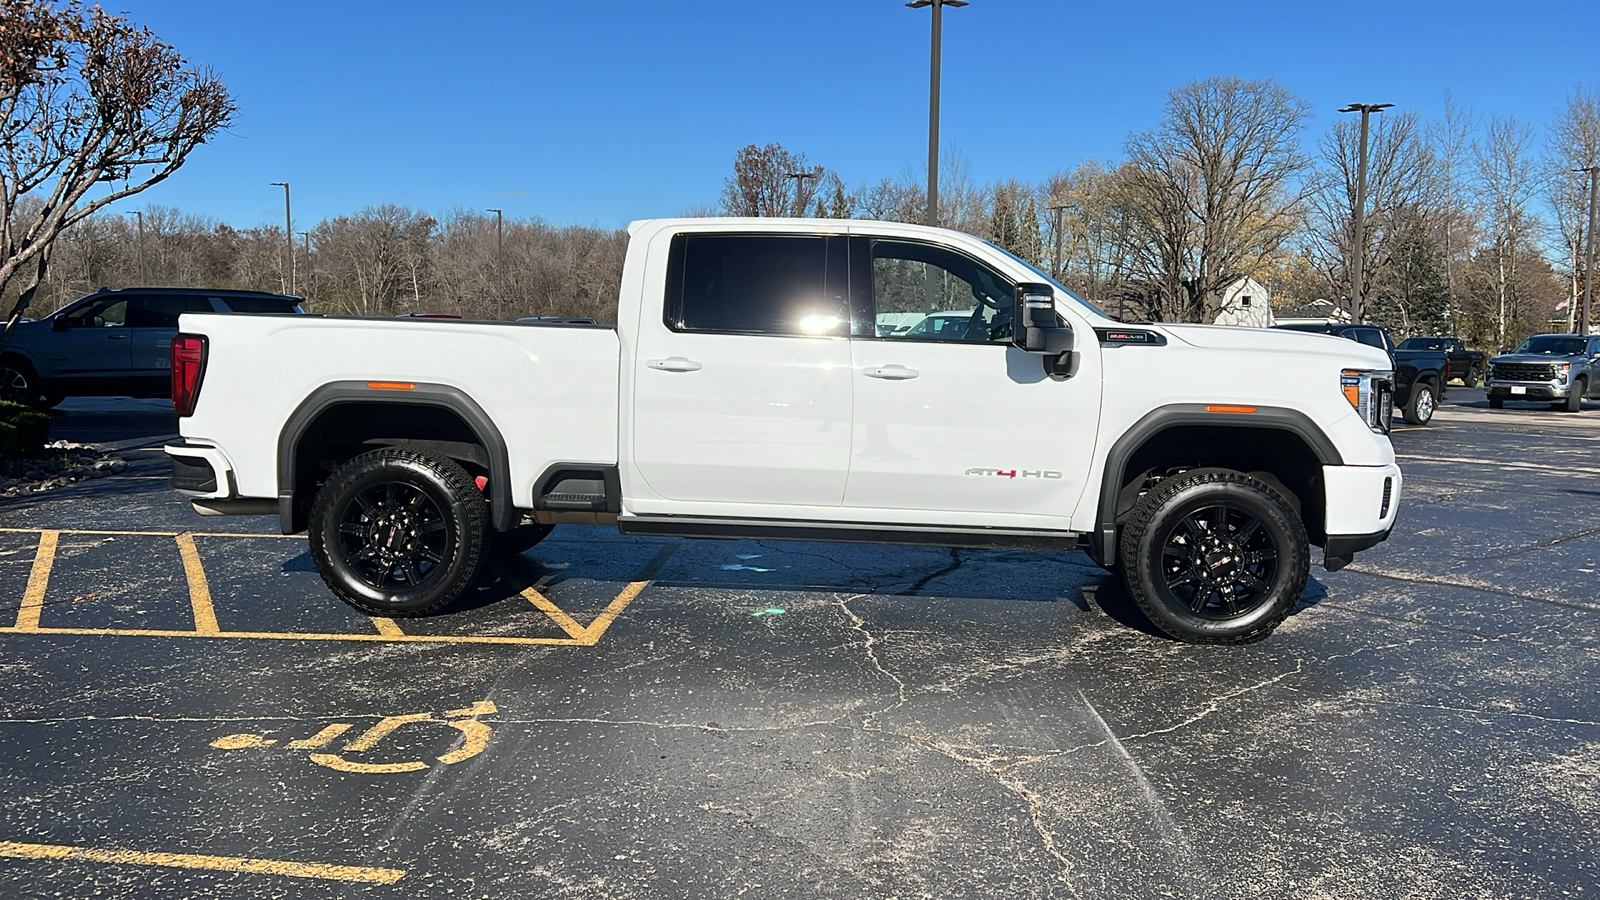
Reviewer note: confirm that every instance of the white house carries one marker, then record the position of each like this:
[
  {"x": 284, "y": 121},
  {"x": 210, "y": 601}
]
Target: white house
[{"x": 1245, "y": 302}]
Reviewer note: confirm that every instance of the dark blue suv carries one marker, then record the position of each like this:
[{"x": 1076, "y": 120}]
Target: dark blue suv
[{"x": 113, "y": 343}]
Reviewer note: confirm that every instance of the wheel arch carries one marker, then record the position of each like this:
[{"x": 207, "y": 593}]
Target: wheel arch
[
  {"x": 1291, "y": 456},
  {"x": 435, "y": 418}
]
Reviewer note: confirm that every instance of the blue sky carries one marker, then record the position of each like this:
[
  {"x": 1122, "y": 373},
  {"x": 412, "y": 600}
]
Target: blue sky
[{"x": 602, "y": 111}]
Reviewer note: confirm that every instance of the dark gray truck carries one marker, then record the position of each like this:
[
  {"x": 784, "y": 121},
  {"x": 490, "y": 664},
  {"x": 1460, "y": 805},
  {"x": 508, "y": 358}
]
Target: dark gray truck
[
  {"x": 1560, "y": 369},
  {"x": 1419, "y": 375},
  {"x": 1467, "y": 365}
]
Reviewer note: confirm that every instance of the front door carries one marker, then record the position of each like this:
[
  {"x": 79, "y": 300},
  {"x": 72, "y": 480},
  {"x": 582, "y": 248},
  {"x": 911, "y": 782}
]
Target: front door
[
  {"x": 950, "y": 414},
  {"x": 91, "y": 346},
  {"x": 742, "y": 391}
]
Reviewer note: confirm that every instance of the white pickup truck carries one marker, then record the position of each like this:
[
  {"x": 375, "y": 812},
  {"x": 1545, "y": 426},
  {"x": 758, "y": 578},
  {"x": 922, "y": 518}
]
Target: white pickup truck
[{"x": 762, "y": 382}]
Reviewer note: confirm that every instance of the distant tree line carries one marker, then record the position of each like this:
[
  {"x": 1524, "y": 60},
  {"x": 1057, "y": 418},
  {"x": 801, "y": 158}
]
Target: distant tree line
[{"x": 1474, "y": 226}]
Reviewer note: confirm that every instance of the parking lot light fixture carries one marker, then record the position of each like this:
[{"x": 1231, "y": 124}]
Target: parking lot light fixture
[
  {"x": 933, "y": 100},
  {"x": 288, "y": 230},
  {"x": 1359, "y": 243},
  {"x": 499, "y": 264}
]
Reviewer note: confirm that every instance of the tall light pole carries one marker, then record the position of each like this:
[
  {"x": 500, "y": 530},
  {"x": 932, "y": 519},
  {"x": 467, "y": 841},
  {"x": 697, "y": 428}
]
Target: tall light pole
[
  {"x": 1055, "y": 261},
  {"x": 311, "y": 266},
  {"x": 1588, "y": 256},
  {"x": 933, "y": 101},
  {"x": 799, "y": 180},
  {"x": 143, "y": 278},
  {"x": 288, "y": 230},
  {"x": 1357, "y": 257},
  {"x": 499, "y": 264}
]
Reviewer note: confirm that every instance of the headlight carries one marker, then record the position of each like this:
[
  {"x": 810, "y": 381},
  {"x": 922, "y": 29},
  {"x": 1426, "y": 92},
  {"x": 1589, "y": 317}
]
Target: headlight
[
  {"x": 1371, "y": 393},
  {"x": 1563, "y": 370}
]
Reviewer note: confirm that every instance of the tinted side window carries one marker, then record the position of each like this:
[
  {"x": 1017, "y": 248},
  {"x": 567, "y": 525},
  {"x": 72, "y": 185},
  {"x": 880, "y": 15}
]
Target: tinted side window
[
  {"x": 259, "y": 305},
  {"x": 755, "y": 284},
  {"x": 154, "y": 311},
  {"x": 929, "y": 293},
  {"x": 105, "y": 314},
  {"x": 1369, "y": 336}
]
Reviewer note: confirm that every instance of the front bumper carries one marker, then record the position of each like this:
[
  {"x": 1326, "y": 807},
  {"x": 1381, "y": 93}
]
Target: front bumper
[
  {"x": 1363, "y": 503},
  {"x": 1529, "y": 390}
]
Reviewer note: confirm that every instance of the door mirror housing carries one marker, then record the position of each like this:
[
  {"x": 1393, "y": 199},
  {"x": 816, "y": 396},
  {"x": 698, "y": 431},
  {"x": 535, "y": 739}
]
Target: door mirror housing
[
  {"x": 1039, "y": 330},
  {"x": 60, "y": 324}
]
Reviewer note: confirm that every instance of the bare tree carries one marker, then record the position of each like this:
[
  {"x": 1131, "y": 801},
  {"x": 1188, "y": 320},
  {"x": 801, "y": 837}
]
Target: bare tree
[
  {"x": 1397, "y": 170},
  {"x": 86, "y": 98},
  {"x": 1213, "y": 186},
  {"x": 1507, "y": 186},
  {"x": 1449, "y": 214},
  {"x": 1574, "y": 144},
  {"x": 764, "y": 183},
  {"x": 1096, "y": 231}
]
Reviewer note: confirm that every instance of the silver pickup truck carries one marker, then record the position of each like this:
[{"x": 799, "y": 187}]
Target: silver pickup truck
[{"x": 1561, "y": 369}]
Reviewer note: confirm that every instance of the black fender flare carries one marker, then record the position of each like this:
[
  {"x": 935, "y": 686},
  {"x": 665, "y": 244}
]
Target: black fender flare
[
  {"x": 1103, "y": 543},
  {"x": 502, "y": 513}
]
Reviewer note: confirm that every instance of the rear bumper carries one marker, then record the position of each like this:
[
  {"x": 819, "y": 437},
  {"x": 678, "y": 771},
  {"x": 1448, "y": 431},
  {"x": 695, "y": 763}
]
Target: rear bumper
[{"x": 200, "y": 472}]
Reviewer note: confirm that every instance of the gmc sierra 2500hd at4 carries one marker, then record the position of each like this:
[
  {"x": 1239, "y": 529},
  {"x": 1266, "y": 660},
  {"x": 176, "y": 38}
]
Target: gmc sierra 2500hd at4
[{"x": 748, "y": 391}]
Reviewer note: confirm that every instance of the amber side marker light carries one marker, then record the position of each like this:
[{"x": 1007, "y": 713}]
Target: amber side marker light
[
  {"x": 390, "y": 386},
  {"x": 1229, "y": 409},
  {"x": 1350, "y": 381}
]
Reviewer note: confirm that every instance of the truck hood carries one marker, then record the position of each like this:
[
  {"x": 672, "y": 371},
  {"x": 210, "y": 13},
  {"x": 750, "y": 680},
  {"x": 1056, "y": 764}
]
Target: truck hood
[
  {"x": 1280, "y": 340},
  {"x": 1537, "y": 358}
]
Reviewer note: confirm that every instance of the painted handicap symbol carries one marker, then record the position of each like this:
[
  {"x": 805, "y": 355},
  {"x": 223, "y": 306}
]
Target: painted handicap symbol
[{"x": 475, "y": 737}]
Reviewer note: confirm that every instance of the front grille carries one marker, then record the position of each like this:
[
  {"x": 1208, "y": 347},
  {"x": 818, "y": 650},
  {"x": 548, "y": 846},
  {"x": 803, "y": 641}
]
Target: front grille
[
  {"x": 1388, "y": 493},
  {"x": 1523, "y": 372}
]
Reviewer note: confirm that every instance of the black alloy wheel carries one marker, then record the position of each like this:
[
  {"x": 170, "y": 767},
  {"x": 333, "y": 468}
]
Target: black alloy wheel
[
  {"x": 1219, "y": 562},
  {"x": 17, "y": 383},
  {"x": 1215, "y": 556},
  {"x": 393, "y": 535},
  {"x": 399, "y": 533}
]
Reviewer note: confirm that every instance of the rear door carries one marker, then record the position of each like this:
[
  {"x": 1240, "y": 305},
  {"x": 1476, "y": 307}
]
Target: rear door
[
  {"x": 153, "y": 322},
  {"x": 742, "y": 389}
]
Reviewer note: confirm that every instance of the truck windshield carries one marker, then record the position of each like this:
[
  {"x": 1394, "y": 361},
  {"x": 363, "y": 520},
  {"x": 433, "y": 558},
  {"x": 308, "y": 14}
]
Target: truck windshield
[
  {"x": 1553, "y": 344},
  {"x": 1062, "y": 289}
]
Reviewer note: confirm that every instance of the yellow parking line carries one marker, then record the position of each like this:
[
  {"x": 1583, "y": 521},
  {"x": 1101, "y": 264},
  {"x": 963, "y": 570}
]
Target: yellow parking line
[
  {"x": 117, "y": 533},
  {"x": 609, "y": 614},
  {"x": 325, "y": 871},
  {"x": 387, "y": 626},
  {"x": 38, "y": 581},
  {"x": 305, "y": 636},
  {"x": 205, "y": 615}
]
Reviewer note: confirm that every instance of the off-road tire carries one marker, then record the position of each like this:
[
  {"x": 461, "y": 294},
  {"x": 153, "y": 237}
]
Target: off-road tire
[
  {"x": 1420, "y": 406},
  {"x": 1575, "y": 398},
  {"x": 518, "y": 540},
  {"x": 1497, "y": 403},
  {"x": 390, "y": 504},
  {"x": 1149, "y": 569}
]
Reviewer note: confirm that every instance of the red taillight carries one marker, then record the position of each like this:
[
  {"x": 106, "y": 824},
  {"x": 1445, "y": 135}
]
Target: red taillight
[{"x": 188, "y": 365}]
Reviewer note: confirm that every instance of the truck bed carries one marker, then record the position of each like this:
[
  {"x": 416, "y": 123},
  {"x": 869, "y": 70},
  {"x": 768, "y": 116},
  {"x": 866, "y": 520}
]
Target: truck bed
[{"x": 551, "y": 389}]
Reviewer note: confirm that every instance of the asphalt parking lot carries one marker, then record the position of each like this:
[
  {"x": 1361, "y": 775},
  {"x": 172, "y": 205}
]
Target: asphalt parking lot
[{"x": 188, "y": 712}]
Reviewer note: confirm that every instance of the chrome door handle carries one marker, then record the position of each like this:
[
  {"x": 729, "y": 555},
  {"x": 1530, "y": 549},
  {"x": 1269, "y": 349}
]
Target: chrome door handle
[
  {"x": 890, "y": 373},
  {"x": 674, "y": 364},
  {"x": 116, "y": 337}
]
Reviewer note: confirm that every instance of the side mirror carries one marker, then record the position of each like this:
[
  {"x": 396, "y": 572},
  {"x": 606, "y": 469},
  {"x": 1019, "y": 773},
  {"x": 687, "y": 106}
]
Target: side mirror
[
  {"x": 1039, "y": 330},
  {"x": 60, "y": 324}
]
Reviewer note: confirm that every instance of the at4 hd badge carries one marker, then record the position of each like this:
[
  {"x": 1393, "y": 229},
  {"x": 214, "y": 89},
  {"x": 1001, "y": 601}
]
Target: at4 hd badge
[{"x": 1016, "y": 473}]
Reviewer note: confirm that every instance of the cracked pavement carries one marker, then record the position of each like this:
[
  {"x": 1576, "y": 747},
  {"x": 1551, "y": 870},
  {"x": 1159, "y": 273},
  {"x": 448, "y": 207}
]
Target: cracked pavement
[{"x": 812, "y": 720}]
